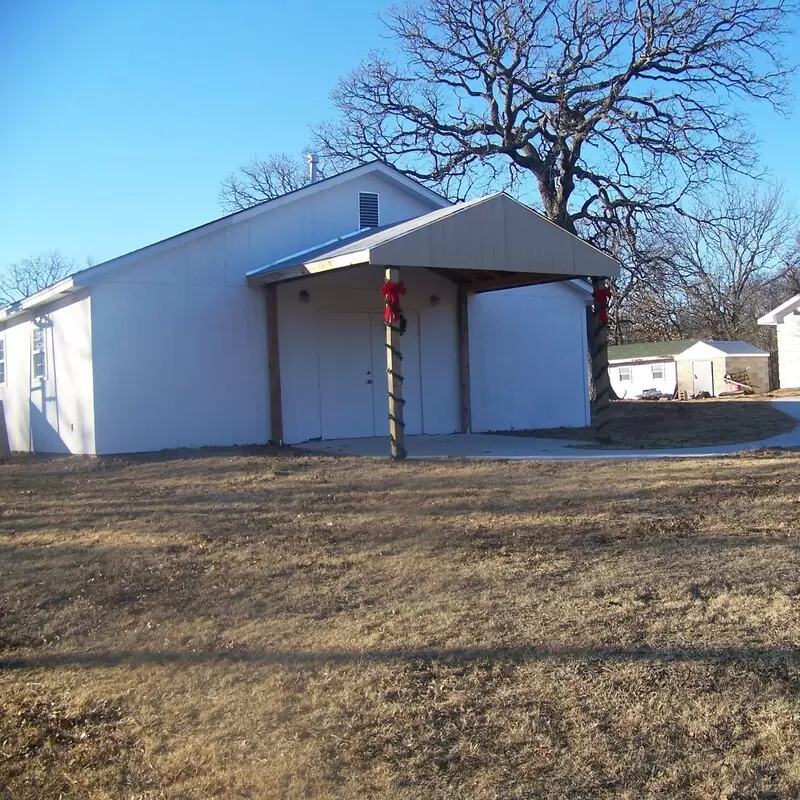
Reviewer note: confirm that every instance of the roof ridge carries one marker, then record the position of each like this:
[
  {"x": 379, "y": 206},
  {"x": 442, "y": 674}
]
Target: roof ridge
[{"x": 208, "y": 227}]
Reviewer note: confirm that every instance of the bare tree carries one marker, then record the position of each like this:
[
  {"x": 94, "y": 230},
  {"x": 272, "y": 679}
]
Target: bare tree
[
  {"x": 260, "y": 180},
  {"x": 646, "y": 309},
  {"x": 646, "y": 303},
  {"x": 32, "y": 274},
  {"x": 612, "y": 107},
  {"x": 729, "y": 255}
]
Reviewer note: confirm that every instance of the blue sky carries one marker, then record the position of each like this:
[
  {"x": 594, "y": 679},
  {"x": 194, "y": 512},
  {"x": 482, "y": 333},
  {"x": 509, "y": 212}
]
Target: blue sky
[{"x": 119, "y": 119}]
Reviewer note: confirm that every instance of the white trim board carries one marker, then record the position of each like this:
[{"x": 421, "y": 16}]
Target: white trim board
[{"x": 779, "y": 314}]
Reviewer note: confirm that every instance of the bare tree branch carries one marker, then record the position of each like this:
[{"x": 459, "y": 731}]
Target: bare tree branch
[
  {"x": 260, "y": 180},
  {"x": 728, "y": 254},
  {"x": 614, "y": 108},
  {"x": 33, "y": 274},
  {"x": 708, "y": 272}
]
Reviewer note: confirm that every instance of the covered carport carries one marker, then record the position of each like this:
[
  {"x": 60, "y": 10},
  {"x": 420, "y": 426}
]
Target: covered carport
[{"x": 483, "y": 245}]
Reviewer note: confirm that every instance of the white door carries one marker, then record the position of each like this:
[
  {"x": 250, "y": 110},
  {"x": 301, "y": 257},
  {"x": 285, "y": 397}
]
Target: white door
[
  {"x": 703, "y": 377},
  {"x": 346, "y": 376},
  {"x": 412, "y": 377}
]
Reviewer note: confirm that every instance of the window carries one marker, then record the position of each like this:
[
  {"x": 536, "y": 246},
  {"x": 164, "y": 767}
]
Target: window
[
  {"x": 657, "y": 372},
  {"x": 39, "y": 355},
  {"x": 2, "y": 362},
  {"x": 625, "y": 373},
  {"x": 368, "y": 216}
]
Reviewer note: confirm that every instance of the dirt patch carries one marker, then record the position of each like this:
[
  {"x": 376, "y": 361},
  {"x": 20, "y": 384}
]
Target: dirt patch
[
  {"x": 647, "y": 425},
  {"x": 267, "y": 625}
]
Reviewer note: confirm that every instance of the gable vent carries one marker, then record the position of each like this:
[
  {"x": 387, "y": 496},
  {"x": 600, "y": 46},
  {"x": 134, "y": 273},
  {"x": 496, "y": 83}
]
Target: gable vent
[{"x": 368, "y": 216}]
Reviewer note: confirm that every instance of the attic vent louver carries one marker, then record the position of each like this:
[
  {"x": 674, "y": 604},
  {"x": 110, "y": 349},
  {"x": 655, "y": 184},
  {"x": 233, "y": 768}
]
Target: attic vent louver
[{"x": 368, "y": 216}]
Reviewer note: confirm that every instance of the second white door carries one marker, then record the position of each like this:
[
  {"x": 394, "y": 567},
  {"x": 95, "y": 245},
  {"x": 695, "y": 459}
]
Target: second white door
[{"x": 353, "y": 381}]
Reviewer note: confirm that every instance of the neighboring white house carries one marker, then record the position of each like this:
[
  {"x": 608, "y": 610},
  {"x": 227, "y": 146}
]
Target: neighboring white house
[
  {"x": 786, "y": 319},
  {"x": 637, "y": 368},
  {"x": 686, "y": 367},
  {"x": 174, "y": 346}
]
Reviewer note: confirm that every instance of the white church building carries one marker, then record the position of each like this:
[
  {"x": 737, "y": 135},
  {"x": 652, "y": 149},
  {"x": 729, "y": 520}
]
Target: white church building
[{"x": 267, "y": 325}]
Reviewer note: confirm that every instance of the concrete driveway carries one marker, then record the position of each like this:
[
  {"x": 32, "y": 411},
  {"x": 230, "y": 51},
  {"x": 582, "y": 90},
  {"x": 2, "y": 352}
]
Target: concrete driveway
[{"x": 484, "y": 445}]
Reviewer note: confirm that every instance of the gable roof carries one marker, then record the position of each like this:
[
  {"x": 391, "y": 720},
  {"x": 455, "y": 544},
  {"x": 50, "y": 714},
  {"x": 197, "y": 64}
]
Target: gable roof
[
  {"x": 302, "y": 193},
  {"x": 777, "y": 315},
  {"x": 490, "y": 234},
  {"x": 86, "y": 276},
  {"x": 710, "y": 348},
  {"x": 649, "y": 351},
  {"x": 682, "y": 349}
]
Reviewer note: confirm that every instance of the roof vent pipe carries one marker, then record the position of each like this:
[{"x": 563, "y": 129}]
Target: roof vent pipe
[{"x": 312, "y": 160}]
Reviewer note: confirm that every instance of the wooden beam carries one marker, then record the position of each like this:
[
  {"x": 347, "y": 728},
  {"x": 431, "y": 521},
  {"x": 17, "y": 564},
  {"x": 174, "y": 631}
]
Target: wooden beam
[
  {"x": 602, "y": 382},
  {"x": 448, "y": 274},
  {"x": 515, "y": 280},
  {"x": 465, "y": 400},
  {"x": 273, "y": 352},
  {"x": 5, "y": 448},
  {"x": 394, "y": 374}
]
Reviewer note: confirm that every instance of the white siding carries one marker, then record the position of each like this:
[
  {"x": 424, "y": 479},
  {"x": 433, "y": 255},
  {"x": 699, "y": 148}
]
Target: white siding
[
  {"x": 16, "y": 393},
  {"x": 789, "y": 352},
  {"x": 178, "y": 366},
  {"x": 55, "y": 415},
  {"x": 347, "y": 304},
  {"x": 528, "y": 359},
  {"x": 180, "y": 347},
  {"x": 642, "y": 378}
]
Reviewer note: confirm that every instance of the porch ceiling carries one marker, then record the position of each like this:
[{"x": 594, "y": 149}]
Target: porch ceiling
[{"x": 494, "y": 242}]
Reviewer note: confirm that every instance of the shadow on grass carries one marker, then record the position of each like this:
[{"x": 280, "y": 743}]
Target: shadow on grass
[
  {"x": 642, "y": 425},
  {"x": 298, "y": 658},
  {"x": 256, "y": 495}
]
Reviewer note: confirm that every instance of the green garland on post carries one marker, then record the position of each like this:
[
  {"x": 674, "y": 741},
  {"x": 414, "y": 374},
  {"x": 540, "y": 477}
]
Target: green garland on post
[{"x": 395, "y": 320}]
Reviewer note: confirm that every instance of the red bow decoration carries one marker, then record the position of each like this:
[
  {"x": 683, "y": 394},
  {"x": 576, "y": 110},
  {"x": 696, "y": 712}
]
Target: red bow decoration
[
  {"x": 391, "y": 292},
  {"x": 602, "y": 296}
]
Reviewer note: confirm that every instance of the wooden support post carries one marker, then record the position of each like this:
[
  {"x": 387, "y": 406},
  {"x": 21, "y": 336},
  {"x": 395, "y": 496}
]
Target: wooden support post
[
  {"x": 465, "y": 400},
  {"x": 5, "y": 448},
  {"x": 601, "y": 411},
  {"x": 394, "y": 374},
  {"x": 273, "y": 352}
]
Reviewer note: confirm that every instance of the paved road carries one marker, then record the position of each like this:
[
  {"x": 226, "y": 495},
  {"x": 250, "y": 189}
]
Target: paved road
[{"x": 482, "y": 445}]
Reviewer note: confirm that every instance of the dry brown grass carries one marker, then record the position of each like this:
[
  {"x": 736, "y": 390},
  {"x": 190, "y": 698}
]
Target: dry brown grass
[
  {"x": 645, "y": 425},
  {"x": 261, "y": 625},
  {"x": 775, "y": 394}
]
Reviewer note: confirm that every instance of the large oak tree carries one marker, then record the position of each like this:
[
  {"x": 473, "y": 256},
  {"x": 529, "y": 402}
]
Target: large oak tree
[{"x": 615, "y": 109}]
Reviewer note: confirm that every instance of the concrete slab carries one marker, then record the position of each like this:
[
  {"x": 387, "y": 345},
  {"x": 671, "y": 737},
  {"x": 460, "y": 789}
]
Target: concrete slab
[{"x": 492, "y": 446}]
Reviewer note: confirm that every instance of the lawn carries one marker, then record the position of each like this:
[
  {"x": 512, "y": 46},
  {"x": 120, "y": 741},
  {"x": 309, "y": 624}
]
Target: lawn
[
  {"x": 253, "y": 624},
  {"x": 643, "y": 424}
]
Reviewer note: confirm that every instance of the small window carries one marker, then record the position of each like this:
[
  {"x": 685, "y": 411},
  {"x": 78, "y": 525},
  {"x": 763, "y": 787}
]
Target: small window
[
  {"x": 39, "y": 355},
  {"x": 625, "y": 373},
  {"x": 368, "y": 216},
  {"x": 657, "y": 372},
  {"x": 2, "y": 362}
]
